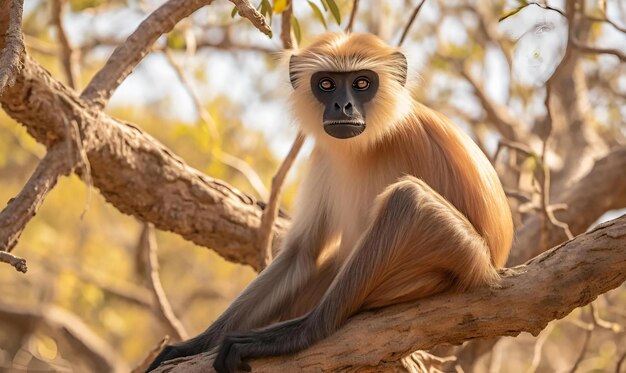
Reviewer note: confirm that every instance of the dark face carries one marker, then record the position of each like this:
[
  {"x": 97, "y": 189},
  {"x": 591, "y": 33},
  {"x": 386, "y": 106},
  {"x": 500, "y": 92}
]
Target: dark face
[{"x": 344, "y": 95}]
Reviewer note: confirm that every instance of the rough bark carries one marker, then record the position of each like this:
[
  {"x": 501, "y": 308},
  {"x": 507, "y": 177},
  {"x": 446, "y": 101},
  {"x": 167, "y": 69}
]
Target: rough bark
[
  {"x": 547, "y": 288},
  {"x": 136, "y": 173}
]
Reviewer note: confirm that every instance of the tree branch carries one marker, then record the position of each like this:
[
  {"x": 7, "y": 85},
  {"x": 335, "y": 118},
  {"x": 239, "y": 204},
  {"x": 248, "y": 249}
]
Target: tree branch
[
  {"x": 246, "y": 10},
  {"x": 265, "y": 235},
  {"x": 18, "y": 263},
  {"x": 70, "y": 333},
  {"x": 12, "y": 46},
  {"x": 24, "y": 206},
  {"x": 601, "y": 190},
  {"x": 507, "y": 125},
  {"x": 547, "y": 288},
  {"x": 405, "y": 32},
  {"x": 139, "y": 175},
  {"x": 137, "y": 46},
  {"x": 149, "y": 246},
  {"x": 355, "y": 8},
  {"x": 285, "y": 28},
  {"x": 65, "y": 51},
  {"x": 597, "y": 50}
]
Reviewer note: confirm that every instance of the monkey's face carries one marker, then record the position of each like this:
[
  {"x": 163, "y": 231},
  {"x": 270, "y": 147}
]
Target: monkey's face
[
  {"x": 344, "y": 95},
  {"x": 349, "y": 90}
]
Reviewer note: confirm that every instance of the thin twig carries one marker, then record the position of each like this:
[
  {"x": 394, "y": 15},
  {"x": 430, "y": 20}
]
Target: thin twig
[
  {"x": 548, "y": 7},
  {"x": 597, "y": 50},
  {"x": 17, "y": 262},
  {"x": 205, "y": 116},
  {"x": 246, "y": 10},
  {"x": 264, "y": 235},
  {"x": 145, "y": 363},
  {"x": 606, "y": 20},
  {"x": 228, "y": 159},
  {"x": 547, "y": 214},
  {"x": 40, "y": 46},
  {"x": 11, "y": 55},
  {"x": 517, "y": 146},
  {"x": 618, "y": 366},
  {"x": 84, "y": 162},
  {"x": 137, "y": 46},
  {"x": 539, "y": 347},
  {"x": 149, "y": 246},
  {"x": 245, "y": 169},
  {"x": 355, "y": 8},
  {"x": 545, "y": 197},
  {"x": 599, "y": 322},
  {"x": 24, "y": 206},
  {"x": 507, "y": 125},
  {"x": 285, "y": 29},
  {"x": 583, "y": 350},
  {"x": 411, "y": 20},
  {"x": 66, "y": 53}
]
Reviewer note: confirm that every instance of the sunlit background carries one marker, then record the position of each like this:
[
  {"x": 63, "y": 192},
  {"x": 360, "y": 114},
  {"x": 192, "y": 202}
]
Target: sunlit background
[{"x": 84, "y": 270}]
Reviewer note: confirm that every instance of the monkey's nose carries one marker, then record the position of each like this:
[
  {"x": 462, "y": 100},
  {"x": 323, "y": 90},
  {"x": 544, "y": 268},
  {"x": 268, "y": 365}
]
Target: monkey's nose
[{"x": 346, "y": 109}]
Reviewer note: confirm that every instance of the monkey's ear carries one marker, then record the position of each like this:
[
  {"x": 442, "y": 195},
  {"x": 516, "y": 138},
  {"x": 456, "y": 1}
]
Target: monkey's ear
[
  {"x": 293, "y": 60},
  {"x": 401, "y": 65}
]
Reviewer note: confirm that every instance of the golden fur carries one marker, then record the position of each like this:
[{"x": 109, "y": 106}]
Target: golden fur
[{"x": 407, "y": 209}]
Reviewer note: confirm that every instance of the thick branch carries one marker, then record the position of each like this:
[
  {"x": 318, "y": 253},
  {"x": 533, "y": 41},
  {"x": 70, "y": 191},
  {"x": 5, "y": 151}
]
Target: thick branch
[
  {"x": 128, "y": 55},
  {"x": 547, "y": 288},
  {"x": 21, "y": 209},
  {"x": 137, "y": 174}
]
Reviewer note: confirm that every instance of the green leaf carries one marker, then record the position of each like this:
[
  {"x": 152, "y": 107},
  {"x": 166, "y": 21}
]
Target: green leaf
[
  {"x": 318, "y": 13},
  {"x": 266, "y": 10},
  {"x": 296, "y": 29},
  {"x": 512, "y": 13},
  {"x": 234, "y": 12},
  {"x": 334, "y": 10}
]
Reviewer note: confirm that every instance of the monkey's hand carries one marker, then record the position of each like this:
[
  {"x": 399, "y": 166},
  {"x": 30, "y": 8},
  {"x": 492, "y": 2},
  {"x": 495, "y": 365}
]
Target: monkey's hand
[
  {"x": 201, "y": 343},
  {"x": 279, "y": 339}
]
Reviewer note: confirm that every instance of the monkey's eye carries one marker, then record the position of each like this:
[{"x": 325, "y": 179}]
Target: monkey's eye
[
  {"x": 326, "y": 85},
  {"x": 361, "y": 83}
]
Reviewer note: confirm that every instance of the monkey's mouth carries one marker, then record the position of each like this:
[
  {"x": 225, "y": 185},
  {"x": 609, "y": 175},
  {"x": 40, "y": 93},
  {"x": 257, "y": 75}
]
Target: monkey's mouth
[{"x": 344, "y": 129}]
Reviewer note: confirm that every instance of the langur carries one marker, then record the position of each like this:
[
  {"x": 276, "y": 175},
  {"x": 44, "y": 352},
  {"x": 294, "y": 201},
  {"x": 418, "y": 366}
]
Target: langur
[{"x": 398, "y": 204}]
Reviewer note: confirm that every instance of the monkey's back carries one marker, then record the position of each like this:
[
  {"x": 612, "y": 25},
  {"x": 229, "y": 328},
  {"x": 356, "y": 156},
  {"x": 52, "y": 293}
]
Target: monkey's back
[{"x": 428, "y": 146}]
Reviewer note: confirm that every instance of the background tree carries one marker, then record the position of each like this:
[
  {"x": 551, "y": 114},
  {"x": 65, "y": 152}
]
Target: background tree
[{"x": 541, "y": 87}]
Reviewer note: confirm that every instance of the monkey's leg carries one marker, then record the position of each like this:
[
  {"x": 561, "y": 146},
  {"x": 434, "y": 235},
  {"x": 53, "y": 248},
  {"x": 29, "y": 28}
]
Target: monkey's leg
[{"x": 416, "y": 245}]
